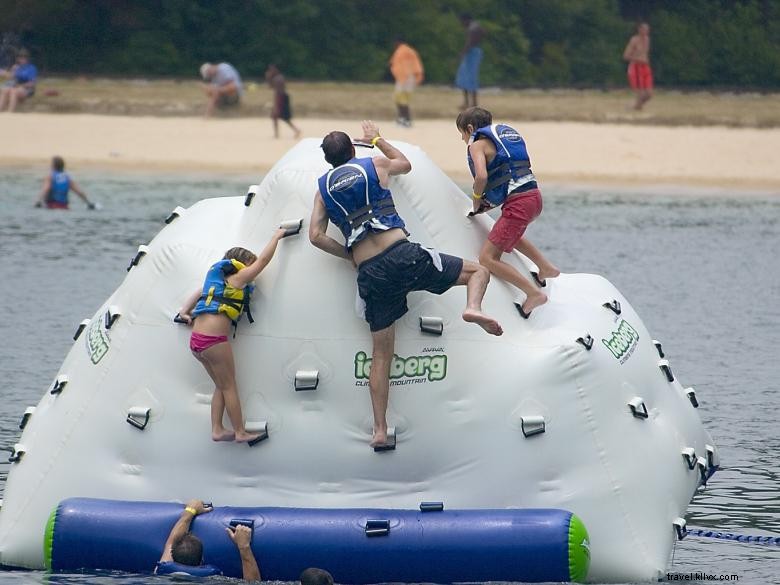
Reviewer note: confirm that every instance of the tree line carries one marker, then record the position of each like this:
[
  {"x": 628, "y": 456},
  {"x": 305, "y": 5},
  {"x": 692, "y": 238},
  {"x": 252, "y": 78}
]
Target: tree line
[{"x": 528, "y": 43}]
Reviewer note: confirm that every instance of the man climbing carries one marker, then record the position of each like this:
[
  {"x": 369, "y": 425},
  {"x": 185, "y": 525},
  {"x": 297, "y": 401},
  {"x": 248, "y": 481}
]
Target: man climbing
[{"x": 354, "y": 195}]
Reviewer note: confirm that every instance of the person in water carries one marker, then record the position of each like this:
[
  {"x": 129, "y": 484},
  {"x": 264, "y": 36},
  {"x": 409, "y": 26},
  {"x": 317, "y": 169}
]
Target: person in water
[
  {"x": 57, "y": 185},
  {"x": 211, "y": 310},
  {"x": 501, "y": 168},
  {"x": 354, "y": 195},
  {"x": 184, "y": 548}
]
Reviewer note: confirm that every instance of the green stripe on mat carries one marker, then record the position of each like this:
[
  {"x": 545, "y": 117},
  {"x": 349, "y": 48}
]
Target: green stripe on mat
[
  {"x": 48, "y": 539},
  {"x": 579, "y": 550}
]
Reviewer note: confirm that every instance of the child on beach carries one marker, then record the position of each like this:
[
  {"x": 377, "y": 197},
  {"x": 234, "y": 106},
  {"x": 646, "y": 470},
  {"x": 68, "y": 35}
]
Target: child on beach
[
  {"x": 211, "y": 310},
  {"x": 501, "y": 168}
]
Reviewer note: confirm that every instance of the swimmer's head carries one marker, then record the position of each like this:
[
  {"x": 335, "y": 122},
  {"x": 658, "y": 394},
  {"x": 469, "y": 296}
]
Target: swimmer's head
[
  {"x": 187, "y": 550},
  {"x": 338, "y": 148},
  {"x": 58, "y": 164},
  {"x": 314, "y": 576},
  {"x": 241, "y": 254}
]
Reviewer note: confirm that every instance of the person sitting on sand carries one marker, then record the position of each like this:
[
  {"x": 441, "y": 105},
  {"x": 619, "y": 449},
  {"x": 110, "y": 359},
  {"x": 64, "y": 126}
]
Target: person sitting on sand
[
  {"x": 501, "y": 168},
  {"x": 211, "y": 310},
  {"x": 281, "y": 108},
  {"x": 184, "y": 548},
  {"x": 354, "y": 195},
  {"x": 21, "y": 86},
  {"x": 56, "y": 185},
  {"x": 223, "y": 86}
]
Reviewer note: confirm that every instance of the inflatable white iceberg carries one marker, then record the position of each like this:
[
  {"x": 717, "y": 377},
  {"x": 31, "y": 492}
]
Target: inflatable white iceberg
[{"x": 574, "y": 409}]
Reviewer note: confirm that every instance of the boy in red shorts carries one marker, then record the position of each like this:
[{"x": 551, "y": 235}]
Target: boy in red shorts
[
  {"x": 640, "y": 76},
  {"x": 501, "y": 168}
]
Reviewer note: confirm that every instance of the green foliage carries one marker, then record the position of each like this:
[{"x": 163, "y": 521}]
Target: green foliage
[{"x": 527, "y": 42}]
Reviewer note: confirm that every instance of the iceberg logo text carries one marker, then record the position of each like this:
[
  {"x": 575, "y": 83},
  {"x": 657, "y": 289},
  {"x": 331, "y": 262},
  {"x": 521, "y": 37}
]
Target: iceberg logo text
[{"x": 622, "y": 342}]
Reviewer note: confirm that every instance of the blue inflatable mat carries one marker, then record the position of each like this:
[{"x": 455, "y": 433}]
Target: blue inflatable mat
[{"x": 356, "y": 545}]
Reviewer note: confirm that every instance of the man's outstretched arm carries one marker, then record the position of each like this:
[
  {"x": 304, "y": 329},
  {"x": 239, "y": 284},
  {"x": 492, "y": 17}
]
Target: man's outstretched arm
[
  {"x": 242, "y": 538},
  {"x": 318, "y": 227},
  {"x": 182, "y": 527},
  {"x": 396, "y": 162}
]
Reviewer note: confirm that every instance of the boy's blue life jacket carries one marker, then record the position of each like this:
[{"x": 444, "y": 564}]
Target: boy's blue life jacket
[
  {"x": 356, "y": 202},
  {"x": 172, "y": 568},
  {"x": 219, "y": 297},
  {"x": 60, "y": 185},
  {"x": 511, "y": 167}
]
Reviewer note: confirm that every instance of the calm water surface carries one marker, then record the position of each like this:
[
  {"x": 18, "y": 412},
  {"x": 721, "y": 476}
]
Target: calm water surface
[{"x": 702, "y": 271}]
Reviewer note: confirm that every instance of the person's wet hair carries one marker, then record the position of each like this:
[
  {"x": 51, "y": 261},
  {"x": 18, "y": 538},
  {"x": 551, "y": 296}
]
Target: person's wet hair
[
  {"x": 337, "y": 147},
  {"x": 58, "y": 164},
  {"x": 314, "y": 576},
  {"x": 475, "y": 116},
  {"x": 241, "y": 254},
  {"x": 187, "y": 550}
]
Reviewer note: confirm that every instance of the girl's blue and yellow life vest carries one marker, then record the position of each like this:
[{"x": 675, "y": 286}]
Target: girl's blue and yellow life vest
[
  {"x": 219, "y": 297},
  {"x": 511, "y": 167},
  {"x": 356, "y": 202},
  {"x": 60, "y": 185}
]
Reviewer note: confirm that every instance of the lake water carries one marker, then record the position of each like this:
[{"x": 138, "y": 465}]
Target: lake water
[{"x": 702, "y": 271}]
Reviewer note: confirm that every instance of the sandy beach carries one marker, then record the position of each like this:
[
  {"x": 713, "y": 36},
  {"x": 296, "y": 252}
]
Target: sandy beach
[{"x": 562, "y": 152}]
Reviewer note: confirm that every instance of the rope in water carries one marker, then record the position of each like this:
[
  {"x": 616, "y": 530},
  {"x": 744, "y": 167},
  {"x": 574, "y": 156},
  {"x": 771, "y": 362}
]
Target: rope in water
[{"x": 770, "y": 540}]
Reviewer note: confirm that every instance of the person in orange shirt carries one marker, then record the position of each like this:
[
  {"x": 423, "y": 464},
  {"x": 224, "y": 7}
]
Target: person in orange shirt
[{"x": 407, "y": 69}]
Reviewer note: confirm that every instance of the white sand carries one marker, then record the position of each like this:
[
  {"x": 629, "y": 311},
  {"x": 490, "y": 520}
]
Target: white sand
[{"x": 562, "y": 152}]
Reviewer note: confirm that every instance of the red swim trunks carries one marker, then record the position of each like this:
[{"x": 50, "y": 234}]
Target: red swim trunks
[
  {"x": 640, "y": 76},
  {"x": 56, "y": 205},
  {"x": 516, "y": 214},
  {"x": 200, "y": 342}
]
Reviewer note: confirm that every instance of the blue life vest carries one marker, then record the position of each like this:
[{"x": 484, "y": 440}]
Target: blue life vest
[
  {"x": 60, "y": 185},
  {"x": 356, "y": 202},
  {"x": 219, "y": 297},
  {"x": 511, "y": 167},
  {"x": 172, "y": 568}
]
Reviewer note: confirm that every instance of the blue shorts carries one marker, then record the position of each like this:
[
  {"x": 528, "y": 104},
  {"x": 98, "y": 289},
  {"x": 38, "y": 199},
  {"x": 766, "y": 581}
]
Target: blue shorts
[{"x": 385, "y": 280}]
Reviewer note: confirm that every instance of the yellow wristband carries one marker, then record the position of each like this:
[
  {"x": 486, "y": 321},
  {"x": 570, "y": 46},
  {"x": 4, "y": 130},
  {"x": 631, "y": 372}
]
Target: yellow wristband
[
  {"x": 475, "y": 196},
  {"x": 191, "y": 510},
  {"x": 375, "y": 140}
]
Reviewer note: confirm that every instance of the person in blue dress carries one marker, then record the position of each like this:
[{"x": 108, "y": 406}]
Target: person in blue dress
[{"x": 467, "y": 77}]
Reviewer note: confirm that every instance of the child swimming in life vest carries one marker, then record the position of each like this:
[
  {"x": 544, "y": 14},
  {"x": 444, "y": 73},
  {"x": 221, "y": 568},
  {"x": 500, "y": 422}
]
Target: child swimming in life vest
[
  {"x": 211, "y": 311},
  {"x": 501, "y": 168}
]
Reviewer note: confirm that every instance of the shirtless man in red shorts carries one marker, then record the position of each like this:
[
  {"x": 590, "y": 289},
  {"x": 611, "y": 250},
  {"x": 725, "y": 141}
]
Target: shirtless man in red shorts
[{"x": 640, "y": 76}]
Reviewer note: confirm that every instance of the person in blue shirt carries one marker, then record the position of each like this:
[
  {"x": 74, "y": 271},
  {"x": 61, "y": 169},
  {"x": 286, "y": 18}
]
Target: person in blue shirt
[
  {"x": 57, "y": 185},
  {"x": 354, "y": 196},
  {"x": 22, "y": 83}
]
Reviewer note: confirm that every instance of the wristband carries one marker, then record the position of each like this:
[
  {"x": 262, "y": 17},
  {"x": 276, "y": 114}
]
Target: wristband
[
  {"x": 475, "y": 196},
  {"x": 191, "y": 510},
  {"x": 375, "y": 139}
]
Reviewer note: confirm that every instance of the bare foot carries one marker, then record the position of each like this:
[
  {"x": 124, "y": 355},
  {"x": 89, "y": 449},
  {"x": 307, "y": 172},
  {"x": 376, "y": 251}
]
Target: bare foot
[
  {"x": 548, "y": 272},
  {"x": 246, "y": 437},
  {"x": 223, "y": 435},
  {"x": 487, "y": 323},
  {"x": 533, "y": 301},
  {"x": 379, "y": 438}
]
